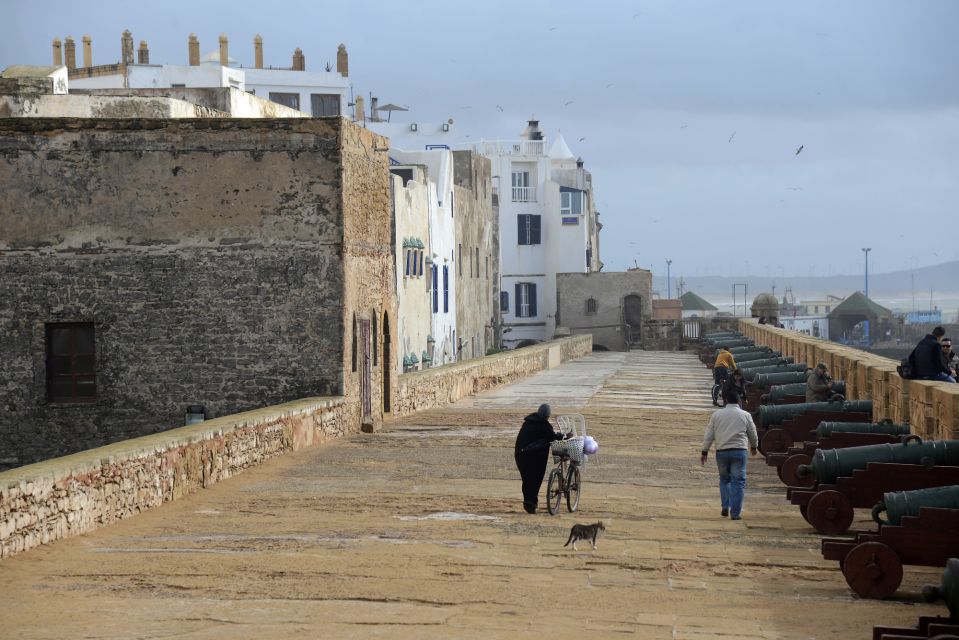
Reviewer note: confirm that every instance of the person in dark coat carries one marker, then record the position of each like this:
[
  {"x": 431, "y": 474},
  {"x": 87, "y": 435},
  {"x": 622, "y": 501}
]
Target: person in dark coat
[
  {"x": 928, "y": 360},
  {"x": 735, "y": 384},
  {"x": 532, "y": 453}
]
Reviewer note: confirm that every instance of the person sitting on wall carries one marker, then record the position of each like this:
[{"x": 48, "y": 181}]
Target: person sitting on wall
[
  {"x": 928, "y": 360},
  {"x": 818, "y": 384}
]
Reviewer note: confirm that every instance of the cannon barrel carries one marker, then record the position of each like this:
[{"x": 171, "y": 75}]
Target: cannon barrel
[
  {"x": 765, "y": 362},
  {"x": 750, "y": 374},
  {"x": 778, "y": 392},
  {"x": 947, "y": 590},
  {"x": 826, "y": 429},
  {"x": 712, "y": 335},
  {"x": 750, "y": 348},
  {"x": 773, "y": 414},
  {"x": 750, "y": 356},
  {"x": 769, "y": 380},
  {"x": 897, "y": 504},
  {"x": 829, "y": 464},
  {"x": 740, "y": 342}
]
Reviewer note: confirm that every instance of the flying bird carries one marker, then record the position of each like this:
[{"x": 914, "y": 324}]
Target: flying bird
[
  {"x": 499, "y": 107},
  {"x": 799, "y": 150},
  {"x": 464, "y": 108},
  {"x": 581, "y": 139},
  {"x": 731, "y": 137},
  {"x": 568, "y": 103},
  {"x": 636, "y": 15},
  {"x": 684, "y": 126},
  {"x": 552, "y": 28},
  {"x": 611, "y": 84}
]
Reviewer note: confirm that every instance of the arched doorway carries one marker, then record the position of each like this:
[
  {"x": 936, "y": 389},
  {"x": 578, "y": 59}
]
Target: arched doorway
[
  {"x": 633, "y": 317},
  {"x": 387, "y": 362}
]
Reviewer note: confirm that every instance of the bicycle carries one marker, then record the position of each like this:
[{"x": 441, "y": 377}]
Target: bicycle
[
  {"x": 719, "y": 381},
  {"x": 566, "y": 477}
]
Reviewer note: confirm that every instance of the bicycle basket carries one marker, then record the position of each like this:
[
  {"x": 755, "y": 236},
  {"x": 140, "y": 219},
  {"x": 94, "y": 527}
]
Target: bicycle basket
[{"x": 572, "y": 447}]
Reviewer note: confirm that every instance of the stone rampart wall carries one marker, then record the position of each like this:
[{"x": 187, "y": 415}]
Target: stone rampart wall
[
  {"x": 931, "y": 408},
  {"x": 67, "y": 496},
  {"x": 430, "y": 388},
  {"x": 75, "y": 494}
]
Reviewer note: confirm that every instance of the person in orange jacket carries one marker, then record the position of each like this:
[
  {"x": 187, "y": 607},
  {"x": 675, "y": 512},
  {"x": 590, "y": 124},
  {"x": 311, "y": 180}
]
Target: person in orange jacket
[{"x": 725, "y": 362}]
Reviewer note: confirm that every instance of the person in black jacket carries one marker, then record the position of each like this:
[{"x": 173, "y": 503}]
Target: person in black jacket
[
  {"x": 532, "y": 453},
  {"x": 928, "y": 361}
]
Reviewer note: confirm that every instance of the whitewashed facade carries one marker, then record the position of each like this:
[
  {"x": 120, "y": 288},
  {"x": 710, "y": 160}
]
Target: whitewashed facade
[{"x": 548, "y": 225}]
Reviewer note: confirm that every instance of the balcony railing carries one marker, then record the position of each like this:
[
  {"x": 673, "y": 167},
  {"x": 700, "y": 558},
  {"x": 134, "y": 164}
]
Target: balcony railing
[
  {"x": 510, "y": 147},
  {"x": 524, "y": 194}
]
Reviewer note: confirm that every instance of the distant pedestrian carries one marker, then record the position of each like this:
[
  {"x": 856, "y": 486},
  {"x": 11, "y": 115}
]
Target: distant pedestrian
[
  {"x": 928, "y": 361},
  {"x": 732, "y": 429},
  {"x": 531, "y": 453},
  {"x": 735, "y": 384}
]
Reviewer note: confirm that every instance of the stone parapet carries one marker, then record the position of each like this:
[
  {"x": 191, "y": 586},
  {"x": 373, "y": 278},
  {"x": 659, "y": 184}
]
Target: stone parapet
[
  {"x": 430, "y": 388},
  {"x": 75, "y": 494},
  {"x": 931, "y": 408}
]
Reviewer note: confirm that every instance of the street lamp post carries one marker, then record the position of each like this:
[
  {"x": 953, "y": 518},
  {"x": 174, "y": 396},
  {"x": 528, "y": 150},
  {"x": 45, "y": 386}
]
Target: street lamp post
[
  {"x": 669, "y": 295},
  {"x": 866, "y": 251}
]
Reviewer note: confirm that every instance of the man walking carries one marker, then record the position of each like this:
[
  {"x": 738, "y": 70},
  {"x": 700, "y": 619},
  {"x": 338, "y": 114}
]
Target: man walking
[{"x": 732, "y": 429}]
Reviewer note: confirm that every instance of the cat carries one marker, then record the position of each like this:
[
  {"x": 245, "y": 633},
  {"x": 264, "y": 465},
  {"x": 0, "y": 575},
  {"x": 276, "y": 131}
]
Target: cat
[{"x": 585, "y": 532}]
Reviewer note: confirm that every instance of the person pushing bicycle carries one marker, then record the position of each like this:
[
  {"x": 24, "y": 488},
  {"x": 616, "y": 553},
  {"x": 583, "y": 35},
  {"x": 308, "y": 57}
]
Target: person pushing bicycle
[{"x": 725, "y": 362}]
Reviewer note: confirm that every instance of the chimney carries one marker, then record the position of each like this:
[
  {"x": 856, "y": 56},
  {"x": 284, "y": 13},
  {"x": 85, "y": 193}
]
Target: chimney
[
  {"x": 193, "y": 46},
  {"x": 579, "y": 162},
  {"x": 258, "y": 52},
  {"x": 126, "y": 47},
  {"x": 87, "y": 51},
  {"x": 57, "y": 53},
  {"x": 224, "y": 50},
  {"x": 532, "y": 131},
  {"x": 342, "y": 61},
  {"x": 70, "y": 53},
  {"x": 299, "y": 62},
  {"x": 374, "y": 109},
  {"x": 143, "y": 54},
  {"x": 358, "y": 115}
]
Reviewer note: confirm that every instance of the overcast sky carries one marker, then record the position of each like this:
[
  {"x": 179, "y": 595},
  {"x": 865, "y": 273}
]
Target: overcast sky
[{"x": 690, "y": 111}]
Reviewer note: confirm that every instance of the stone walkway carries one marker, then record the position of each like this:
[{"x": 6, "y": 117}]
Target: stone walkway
[{"x": 417, "y": 532}]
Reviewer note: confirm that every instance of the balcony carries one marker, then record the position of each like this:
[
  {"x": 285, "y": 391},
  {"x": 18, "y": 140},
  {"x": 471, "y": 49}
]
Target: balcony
[
  {"x": 524, "y": 194},
  {"x": 510, "y": 148}
]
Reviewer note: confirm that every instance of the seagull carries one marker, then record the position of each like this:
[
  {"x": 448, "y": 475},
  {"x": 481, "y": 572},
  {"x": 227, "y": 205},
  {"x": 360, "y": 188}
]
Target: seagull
[
  {"x": 499, "y": 107},
  {"x": 552, "y": 28},
  {"x": 581, "y": 139},
  {"x": 636, "y": 15},
  {"x": 611, "y": 84},
  {"x": 795, "y": 188},
  {"x": 464, "y": 108},
  {"x": 684, "y": 126},
  {"x": 799, "y": 150},
  {"x": 568, "y": 103},
  {"x": 731, "y": 137}
]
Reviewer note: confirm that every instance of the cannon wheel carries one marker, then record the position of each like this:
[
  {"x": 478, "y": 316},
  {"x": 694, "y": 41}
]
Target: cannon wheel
[
  {"x": 830, "y": 512},
  {"x": 804, "y": 510},
  {"x": 788, "y": 472},
  {"x": 873, "y": 570},
  {"x": 776, "y": 441}
]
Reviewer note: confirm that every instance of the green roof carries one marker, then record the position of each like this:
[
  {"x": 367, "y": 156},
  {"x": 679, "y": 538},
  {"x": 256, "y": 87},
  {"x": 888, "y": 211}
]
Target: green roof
[
  {"x": 692, "y": 302},
  {"x": 859, "y": 303}
]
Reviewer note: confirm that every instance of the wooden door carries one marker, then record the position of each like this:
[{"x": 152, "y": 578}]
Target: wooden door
[{"x": 366, "y": 371}]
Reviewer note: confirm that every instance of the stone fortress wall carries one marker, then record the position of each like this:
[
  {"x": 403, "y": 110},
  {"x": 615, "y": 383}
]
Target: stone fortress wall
[
  {"x": 68, "y": 496},
  {"x": 931, "y": 408}
]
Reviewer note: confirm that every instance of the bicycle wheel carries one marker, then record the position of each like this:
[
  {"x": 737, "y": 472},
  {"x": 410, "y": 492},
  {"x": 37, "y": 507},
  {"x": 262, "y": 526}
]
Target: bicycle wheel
[
  {"x": 573, "y": 486},
  {"x": 554, "y": 490}
]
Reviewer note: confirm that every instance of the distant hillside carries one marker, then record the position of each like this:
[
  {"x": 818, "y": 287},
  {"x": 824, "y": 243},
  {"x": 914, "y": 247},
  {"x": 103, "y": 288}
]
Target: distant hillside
[{"x": 942, "y": 279}]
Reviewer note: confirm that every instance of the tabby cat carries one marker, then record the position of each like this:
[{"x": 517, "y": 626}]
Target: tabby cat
[{"x": 584, "y": 532}]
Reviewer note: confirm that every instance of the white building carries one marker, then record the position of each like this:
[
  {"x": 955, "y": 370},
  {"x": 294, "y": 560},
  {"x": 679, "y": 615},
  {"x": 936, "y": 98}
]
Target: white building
[
  {"x": 816, "y": 326},
  {"x": 548, "y": 225},
  {"x": 439, "y": 263},
  {"x": 316, "y": 93}
]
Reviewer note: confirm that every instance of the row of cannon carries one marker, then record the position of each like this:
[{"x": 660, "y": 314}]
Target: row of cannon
[{"x": 833, "y": 459}]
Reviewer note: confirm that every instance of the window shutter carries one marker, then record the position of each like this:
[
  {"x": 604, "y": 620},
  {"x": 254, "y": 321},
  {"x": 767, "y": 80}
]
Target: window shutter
[
  {"x": 534, "y": 229},
  {"x": 531, "y": 292},
  {"x": 521, "y": 237},
  {"x": 436, "y": 292},
  {"x": 446, "y": 289},
  {"x": 504, "y": 300},
  {"x": 517, "y": 299}
]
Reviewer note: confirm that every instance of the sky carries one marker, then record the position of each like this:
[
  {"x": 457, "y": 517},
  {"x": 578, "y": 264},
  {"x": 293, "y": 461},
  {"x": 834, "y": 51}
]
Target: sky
[{"x": 688, "y": 113}]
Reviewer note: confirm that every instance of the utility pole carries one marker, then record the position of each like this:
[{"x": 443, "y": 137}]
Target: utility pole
[
  {"x": 866, "y": 251},
  {"x": 669, "y": 293}
]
